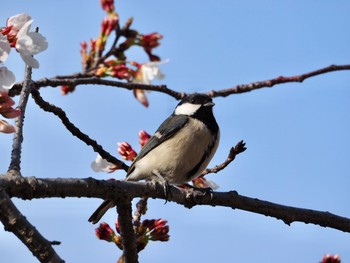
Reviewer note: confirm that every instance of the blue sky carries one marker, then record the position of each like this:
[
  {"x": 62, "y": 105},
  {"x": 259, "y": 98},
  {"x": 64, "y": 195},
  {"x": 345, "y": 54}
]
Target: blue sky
[{"x": 297, "y": 134}]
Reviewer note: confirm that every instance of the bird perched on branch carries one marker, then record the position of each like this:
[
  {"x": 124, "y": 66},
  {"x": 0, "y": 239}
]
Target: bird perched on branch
[{"x": 179, "y": 150}]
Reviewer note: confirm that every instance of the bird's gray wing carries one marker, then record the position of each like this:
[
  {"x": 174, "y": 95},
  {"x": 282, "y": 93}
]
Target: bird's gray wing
[{"x": 166, "y": 130}]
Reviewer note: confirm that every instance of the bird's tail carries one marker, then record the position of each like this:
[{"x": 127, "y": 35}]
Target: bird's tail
[{"x": 100, "y": 211}]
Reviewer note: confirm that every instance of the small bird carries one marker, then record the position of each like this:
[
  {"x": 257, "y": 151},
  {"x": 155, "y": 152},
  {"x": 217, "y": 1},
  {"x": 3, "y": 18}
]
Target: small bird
[{"x": 179, "y": 150}]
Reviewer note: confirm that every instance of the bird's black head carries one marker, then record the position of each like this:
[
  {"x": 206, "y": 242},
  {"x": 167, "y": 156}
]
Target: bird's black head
[
  {"x": 193, "y": 103},
  {"x": 200, "y": 107}
]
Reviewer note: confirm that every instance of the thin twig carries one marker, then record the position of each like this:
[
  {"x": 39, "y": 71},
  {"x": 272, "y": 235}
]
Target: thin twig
[
  {"x": 234, "y": 151},
  {"x": 75, "y": 131},
  {"x": 15, "y": 222},
  {"x": 272, "y": 82},
  {"x": 127, "y": 231},
  {"x": 141, "y": 208},
  {"x": 18, "y": 136}
]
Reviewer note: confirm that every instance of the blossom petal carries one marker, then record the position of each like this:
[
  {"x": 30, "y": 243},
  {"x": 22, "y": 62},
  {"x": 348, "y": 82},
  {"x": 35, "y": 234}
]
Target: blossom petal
[
  {"x": 101, "y": 165},
  {"x": 17, "y": 21},
  {"x": 7, "y": 79},
  {"x": 140, "y": 95},
  {"x": 5, "y": 48},
  {"x": 30, "y": 61},
  {"x": 24, "y": 29},
  {"x": 5, "y": 127},
  {"x": 38, "y": 43}
]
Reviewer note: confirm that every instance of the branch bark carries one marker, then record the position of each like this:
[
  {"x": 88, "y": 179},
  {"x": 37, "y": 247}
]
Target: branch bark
[
  {"x": 18, "y": 137},
  {"x": 16, "y": 223},
  {"x": 28, "y": 188},
  {"x": 272, "y": 82},
  {"x": 84, "y": 79},
  {"x": 127, "y": 231}
]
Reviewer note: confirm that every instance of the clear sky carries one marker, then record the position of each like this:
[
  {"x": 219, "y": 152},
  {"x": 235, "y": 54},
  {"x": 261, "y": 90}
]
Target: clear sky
[{"x": 297, "y": 134}]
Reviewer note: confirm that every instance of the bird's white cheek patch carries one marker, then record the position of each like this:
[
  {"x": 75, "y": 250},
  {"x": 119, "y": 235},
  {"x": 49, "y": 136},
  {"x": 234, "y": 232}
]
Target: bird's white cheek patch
[{"x": 187, "y": 109}]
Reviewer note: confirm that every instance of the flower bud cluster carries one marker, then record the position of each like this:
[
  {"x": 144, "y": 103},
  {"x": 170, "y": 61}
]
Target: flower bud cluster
[
  {"x": 148, "y": 230},
  {"x": 100, "y": 61}
]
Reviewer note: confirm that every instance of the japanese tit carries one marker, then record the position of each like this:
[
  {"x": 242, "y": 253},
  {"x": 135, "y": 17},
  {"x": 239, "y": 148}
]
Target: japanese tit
[{"x": 179, "y": 150}]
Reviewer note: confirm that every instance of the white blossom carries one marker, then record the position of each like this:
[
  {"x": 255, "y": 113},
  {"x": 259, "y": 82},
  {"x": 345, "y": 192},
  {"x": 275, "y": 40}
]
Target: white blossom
[
  {"x": 29, "y": 44},
  {"x": 150, "y": 71},
  {"x": 101, "y": 165}
]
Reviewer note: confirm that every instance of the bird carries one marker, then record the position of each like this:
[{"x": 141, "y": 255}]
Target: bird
[{"x": 179, "y": 151}]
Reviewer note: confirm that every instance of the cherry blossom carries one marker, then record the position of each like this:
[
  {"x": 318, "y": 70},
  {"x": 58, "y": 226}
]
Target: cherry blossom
[
  {"x": 29, "y": 44},
  {"x": 101, "y": 165}
]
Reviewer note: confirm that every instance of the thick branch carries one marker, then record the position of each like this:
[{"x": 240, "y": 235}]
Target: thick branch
[
  {"x": 28, "y": 188},
  {"x": 272, "y": 82},
  {"x": 127, "y": 231},
  {"x": 75, "y": 131},
  {"x": 16, "y": 223}
]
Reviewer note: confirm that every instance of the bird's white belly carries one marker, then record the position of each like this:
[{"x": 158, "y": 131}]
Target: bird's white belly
[{"x": 182, "y": 153}]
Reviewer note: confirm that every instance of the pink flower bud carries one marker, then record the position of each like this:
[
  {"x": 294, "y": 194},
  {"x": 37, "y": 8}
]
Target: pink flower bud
[
  {"x": 150, "y": 41},
  {"x": 126, "y": 151},
  {"x": 107, "y": 5},
  {"x": 331, "y": 259},
  {"x": 143, "y": 137},
  {"x": 67, "y": 89},
  {"x": 105, "y": 232},
  {"x": 108, "y": 25}
]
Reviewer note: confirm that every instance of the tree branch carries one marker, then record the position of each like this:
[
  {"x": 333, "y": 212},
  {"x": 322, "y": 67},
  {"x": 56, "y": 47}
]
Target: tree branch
[
  {"x": 16, "y": 223},
  {"x": 85, "y": 80},
  {"x": 18, "y": 137},
  {"x": 28, "y": 188},
  {"x": 141, "y": 208},
  {"x": 272, "y": 82},
  {"x": 75, "y": 131},
  {"x": 234, "y": 151},
  {"x": 127, "y": 231}
]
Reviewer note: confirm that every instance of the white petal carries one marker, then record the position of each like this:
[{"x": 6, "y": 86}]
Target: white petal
[
  {"x": 101, "y": 165},
  {"x": 29, "y": 45},
  {"x": 150, "y": 71},
  {"x": 5, "y": 48},
  {"x": 29, "y": 60},
  {"x": 7, "y": 79},
  {"x": 39, "y": 43},
  {"x": 24, "y": 29},
  {"x": 17, "y": 21}
]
